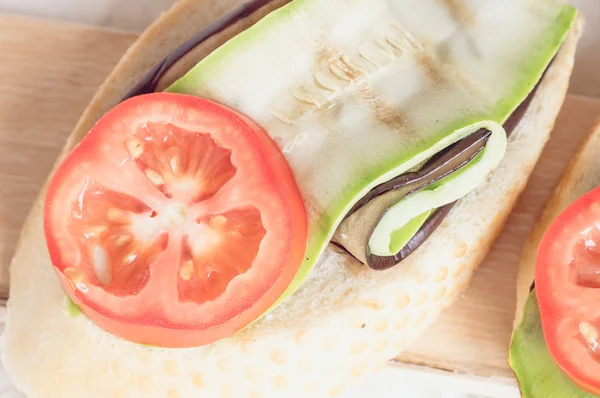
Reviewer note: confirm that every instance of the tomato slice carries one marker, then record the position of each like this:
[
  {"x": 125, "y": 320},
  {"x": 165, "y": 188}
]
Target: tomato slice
[
  {"x": 567, "y": 281},
  {"x": 175, "y": 222}
]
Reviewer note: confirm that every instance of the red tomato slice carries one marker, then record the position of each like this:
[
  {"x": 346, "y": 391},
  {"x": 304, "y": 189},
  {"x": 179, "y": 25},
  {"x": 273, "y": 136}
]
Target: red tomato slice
[
  {"x": 175, "y": 222},
  {"x": 567, "y": 282}
]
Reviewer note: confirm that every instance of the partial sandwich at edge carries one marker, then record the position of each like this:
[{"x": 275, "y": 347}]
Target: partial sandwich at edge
[{"x": 555, "y": 341}]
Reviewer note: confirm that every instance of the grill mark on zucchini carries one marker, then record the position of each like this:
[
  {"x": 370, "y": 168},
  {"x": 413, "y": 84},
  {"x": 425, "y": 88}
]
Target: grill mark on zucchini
[
  {"x": 339, "y": 73},
  {"x": 460, "y": 12},
  {"x": 342, "y": 73},
  {"x": 430, "y": 66},
  {"x": 407, "y": 37},
  {"x": 384, "y": 112},
  {"x": 357, "y": 64}
]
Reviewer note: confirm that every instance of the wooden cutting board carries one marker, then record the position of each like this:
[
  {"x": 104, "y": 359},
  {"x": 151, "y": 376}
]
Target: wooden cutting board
[
  {"x": 50, "y": 70},
  {"x": 48, "y": 73}
]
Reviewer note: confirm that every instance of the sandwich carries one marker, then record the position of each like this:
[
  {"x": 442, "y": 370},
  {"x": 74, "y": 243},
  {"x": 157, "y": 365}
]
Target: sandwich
[
  {"x": 554, "y": 348},
  {"x": 276, "y": 203}
]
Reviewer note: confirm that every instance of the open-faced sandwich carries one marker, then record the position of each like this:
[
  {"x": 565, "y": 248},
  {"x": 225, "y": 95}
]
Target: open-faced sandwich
[
  {"x": 275, "y": 203},
  {"x": 555, "y": 349}
]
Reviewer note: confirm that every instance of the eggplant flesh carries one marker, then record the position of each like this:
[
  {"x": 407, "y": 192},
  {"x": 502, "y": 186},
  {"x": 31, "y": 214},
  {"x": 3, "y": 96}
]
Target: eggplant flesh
[{"x": 358, "y": 228}]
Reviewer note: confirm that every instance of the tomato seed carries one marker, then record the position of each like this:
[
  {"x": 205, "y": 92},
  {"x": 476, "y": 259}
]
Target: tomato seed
[
  {"x": 187, "y": 270},
  {"x": 101, "y": 265},
  {"x": 218, "y": 221},
  {"x": 135, "y": 148},
  {"x": 590, "y": 336},
  {"x": 123, "y": 240},
  {"x": 175, "y": 163},
  {"x": 117, "y": 216},
  {"x": 154, "y": 177}
]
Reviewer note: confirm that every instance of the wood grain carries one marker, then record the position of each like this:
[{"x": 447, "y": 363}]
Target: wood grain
[{"x": 50, "y": 71}]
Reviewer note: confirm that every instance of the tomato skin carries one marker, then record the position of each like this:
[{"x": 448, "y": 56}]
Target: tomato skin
[
  {"x": 143, "y": 316},
  {"x": 568, "y": 292}
]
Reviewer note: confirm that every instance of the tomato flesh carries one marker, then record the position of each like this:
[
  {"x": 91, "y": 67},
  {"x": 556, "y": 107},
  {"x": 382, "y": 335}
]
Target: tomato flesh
[
  {"x": 567, "y": 280},
  {"x": 175, "y": 222}
]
